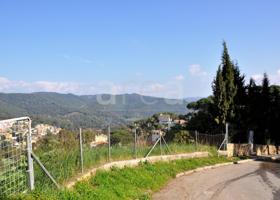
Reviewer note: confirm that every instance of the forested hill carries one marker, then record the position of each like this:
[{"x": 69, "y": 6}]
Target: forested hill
[{"x": 68, "y": 110}]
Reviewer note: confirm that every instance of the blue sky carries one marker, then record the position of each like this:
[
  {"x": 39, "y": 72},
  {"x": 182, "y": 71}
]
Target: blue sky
[{"x": 161, "y": 48}]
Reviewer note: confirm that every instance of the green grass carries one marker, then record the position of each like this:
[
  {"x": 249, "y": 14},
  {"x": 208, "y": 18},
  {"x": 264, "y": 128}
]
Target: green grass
[
  {"x": 64, "y": 164},
  {"x": 127, "y": 183}
]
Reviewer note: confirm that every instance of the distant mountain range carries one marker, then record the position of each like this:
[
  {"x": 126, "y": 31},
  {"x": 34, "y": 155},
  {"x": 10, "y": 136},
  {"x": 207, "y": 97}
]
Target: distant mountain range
[{"x": 69, "y": 110}]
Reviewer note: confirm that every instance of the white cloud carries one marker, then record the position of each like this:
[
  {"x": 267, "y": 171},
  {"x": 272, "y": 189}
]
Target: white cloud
[
  {"x": 7, "y": 85},
  {"x": 171, "y": 88},
  {"x": 257, "y": 77},
  {"x": 165, "y": 89},
  {"x": 156, "y": 88},
  {"x": 63, "y": 87},
  {"x": 4, "y": 83},
  {"x": 274, "y": 78},
  {"x": 117, "y": 89},
  {"x": 179, "y": 77},
  {"x": 195, "y": 70},
  {"x": 4, "y": 80}
]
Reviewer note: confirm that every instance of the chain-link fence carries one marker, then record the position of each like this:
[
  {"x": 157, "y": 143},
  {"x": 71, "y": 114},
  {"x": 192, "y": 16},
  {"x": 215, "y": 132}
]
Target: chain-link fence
[
  {"x": 69, "y": 153},
  {"x": 207, "y": 139}
]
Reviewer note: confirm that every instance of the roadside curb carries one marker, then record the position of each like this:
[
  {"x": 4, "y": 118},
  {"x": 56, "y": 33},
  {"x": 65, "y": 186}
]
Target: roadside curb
[
  {"x": 133, "y": 163},
  {"x": 211, "y": 167}
]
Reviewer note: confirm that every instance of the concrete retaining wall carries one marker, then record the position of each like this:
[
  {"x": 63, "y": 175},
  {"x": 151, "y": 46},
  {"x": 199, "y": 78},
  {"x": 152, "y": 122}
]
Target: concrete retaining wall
[
  {"x": 135, "y": 162},
  {"x": 238, "y": 149},
  {"x": 244, "y": 150},
  {"x": 267, "y": 150}
]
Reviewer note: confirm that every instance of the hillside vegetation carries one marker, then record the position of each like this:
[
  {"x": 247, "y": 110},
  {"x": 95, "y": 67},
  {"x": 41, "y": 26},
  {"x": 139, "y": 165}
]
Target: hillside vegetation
[{"x": 69, "y": 111}]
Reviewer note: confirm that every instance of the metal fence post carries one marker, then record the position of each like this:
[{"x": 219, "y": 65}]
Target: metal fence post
[
  {"x": 226, "y": 136},
  {"x": 29, "y": 156},
  {"x": 196, "y": 138},
  {"x": 81, "y": 150},
  {"x": 109, "y": 143},
  {"x": 44, "y": 169},
  {"x": 160, "y": 145},
  {"x": 135, "y": 143}
]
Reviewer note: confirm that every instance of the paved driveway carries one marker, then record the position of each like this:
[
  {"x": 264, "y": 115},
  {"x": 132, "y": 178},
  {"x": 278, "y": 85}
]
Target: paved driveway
[{"x": 252, "y": 180}]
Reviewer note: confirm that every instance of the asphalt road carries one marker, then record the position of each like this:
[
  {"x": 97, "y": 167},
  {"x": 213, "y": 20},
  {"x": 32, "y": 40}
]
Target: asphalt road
[{"x": 252, "y": 180}]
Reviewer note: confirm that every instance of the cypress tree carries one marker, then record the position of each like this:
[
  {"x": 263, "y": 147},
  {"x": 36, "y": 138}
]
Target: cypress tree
[
  {"x": 265, "y": 108},
  {"x": 254, "y": 113},
  {"x": 275, "y": 115},
  {"x": 239, "y": 119},
  {"x": 230, "y": 87},
  {"x": 224, "y": 88},
  {"x": 219, "y": 96},
  {"x": 239, "y": 80},
  {"x": 265, "y": 90}
]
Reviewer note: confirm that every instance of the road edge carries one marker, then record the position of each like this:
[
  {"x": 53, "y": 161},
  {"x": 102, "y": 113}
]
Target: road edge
[{"x": 212, "y": 167}]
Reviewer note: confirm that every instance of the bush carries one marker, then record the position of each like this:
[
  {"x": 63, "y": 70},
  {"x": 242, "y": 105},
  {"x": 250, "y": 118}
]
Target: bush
[
  {"x": 183, "y": 137},
  {"x": 121, "y": 136}
]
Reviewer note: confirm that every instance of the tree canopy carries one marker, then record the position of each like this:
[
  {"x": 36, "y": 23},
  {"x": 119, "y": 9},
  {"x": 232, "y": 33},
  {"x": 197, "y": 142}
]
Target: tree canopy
[{"x": 246, "y": 107}]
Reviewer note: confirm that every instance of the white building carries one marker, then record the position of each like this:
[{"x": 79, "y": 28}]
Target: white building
[{"x": 99, "y": 140}]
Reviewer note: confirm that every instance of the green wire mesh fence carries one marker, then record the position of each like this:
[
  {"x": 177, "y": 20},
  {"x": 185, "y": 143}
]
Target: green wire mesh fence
[{"x": 13, "y": 157}]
